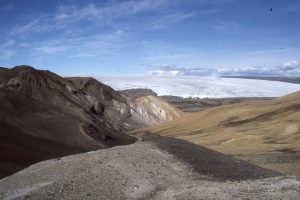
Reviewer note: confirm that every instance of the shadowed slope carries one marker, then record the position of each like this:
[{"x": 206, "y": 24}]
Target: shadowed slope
[
  {"x": 44, "y": 108},
  {"x": 31, "y": 131},
  {"x": 19, "y": 150},
  {"x": 207, "y": 162},
  {"x": 2, "y": 68}
]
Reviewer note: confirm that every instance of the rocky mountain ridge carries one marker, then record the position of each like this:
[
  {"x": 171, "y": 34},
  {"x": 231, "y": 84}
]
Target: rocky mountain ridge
[{"x": 71, "y": 114}]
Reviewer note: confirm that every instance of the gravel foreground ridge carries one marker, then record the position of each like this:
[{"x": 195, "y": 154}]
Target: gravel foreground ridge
[{"x": 156, "y": 168}]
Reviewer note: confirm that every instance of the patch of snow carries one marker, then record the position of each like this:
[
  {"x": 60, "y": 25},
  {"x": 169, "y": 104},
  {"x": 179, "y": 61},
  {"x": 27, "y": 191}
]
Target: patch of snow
[{"x": 202, "y": 87}]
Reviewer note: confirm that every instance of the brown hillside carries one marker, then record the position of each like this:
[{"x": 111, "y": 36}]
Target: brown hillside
[{"x": 262, "y": 132}]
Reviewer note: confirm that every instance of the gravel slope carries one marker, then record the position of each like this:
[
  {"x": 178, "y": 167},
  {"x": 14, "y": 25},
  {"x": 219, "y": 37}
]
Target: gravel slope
[{"x": 143, "y": 171}]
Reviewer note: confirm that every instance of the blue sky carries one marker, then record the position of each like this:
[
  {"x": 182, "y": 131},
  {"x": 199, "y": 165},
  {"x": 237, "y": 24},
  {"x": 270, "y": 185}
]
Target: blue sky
[{"x": 165, "y": 37}]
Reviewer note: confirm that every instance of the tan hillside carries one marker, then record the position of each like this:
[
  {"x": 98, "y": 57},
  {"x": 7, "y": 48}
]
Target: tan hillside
[
  {"x": 263, "y": 132},
  {"x": 153, "y": 110}
]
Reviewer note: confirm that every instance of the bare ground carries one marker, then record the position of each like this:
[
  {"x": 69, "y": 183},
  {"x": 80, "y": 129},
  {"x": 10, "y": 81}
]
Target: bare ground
[
  {"x": 198, "y": 104},
  {"x": 146, "y": 170}
]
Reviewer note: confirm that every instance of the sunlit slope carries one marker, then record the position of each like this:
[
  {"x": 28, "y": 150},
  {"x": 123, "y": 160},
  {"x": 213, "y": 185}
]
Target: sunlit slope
[
  {"x": 263, "y": 132},
  {"x": 152, "y": 110}
]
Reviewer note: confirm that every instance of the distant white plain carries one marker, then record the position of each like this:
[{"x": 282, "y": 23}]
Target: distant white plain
[{"x": 202, "y": 87}]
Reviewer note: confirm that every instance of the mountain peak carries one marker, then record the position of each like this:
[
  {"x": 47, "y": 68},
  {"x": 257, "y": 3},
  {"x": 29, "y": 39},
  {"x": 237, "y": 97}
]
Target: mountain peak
[{"x": 24, "y": 67}]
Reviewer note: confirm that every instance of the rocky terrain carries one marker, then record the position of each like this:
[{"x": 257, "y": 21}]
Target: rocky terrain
[
  {"x": 200, "y": 104},
  {"x": 40, "y": 109},
  {"x": 264, "y": 132},
  {"x": 156, "y": 168},
  {"x": 138, "y": 92}
]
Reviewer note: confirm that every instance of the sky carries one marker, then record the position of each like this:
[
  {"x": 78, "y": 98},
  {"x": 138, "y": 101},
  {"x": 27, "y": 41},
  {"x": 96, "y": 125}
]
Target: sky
[{"x": 154, "y": 37}]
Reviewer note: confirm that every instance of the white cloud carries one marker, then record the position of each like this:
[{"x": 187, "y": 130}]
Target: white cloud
[
  {"x": 107, "y": 12},
  {"x": 169, "y": 19},
  {"x": 6, "y": 54},
  {"x": 170, "y": 70},
  {"x": 33, "y": 26},
  {"x": 95, "y": 45},
  {"x": 165, "y": 73},
  {"x": 11, "y": 42},
  {"x": 7, "y": 49},
  {"x": 248, "y": 71},
  {"x": 291, "y": 65},
  {"x": 82, "y": 55},
  {"x": 109, "y": 40},
  {"x": 50, "y": 49},
  {"x": 290, "y": 68},
  {"x": 227, "y": 26}
]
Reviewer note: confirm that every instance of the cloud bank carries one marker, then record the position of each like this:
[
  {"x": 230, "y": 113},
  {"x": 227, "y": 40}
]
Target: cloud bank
[{"x": 290, "y": 68}]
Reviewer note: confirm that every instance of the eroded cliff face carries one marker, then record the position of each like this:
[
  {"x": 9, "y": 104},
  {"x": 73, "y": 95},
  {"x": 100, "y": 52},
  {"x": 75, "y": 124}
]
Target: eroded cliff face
[
  {"x": 152, "y": 110},
  {"x": 123, "y": 112}
]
